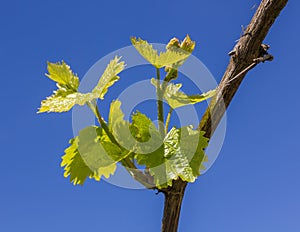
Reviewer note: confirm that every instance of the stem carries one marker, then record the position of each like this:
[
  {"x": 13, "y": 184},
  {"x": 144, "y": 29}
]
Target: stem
[
  {"x": 246, "y": 50},
  {"x": 168, "y": 120},
  {"x": 160, "y": 109},
  {"x": 94, "y": 108},
  {"x": 172, "y": 206},
  {"x": 138, "y": 175},
  {"x": 105, "y": 127}
]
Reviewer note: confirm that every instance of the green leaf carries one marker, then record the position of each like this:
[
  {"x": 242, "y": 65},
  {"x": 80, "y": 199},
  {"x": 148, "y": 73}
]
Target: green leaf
[
  {"x": 193, "y": 143},
  {"x": 67, "y": 95},
  {"x": 91, "y": 154},
  {"x": 63, "y": 75},
  {"x": 176, "y": 163},
  {"x": 75, "y": 167},
  {"x": 119, "y": 127},
  {"x": 96, "y": 150},
  {"x": 155, "y": 162},
  {"x": 176, "y": 98},
  {"x": 140, "y": 127},
  {"x": 63, "y": 103},
  {"x": 145, "y": 133},
  {"x": 181, "y": 156},
  {"x": 162, "y": 59},
  {"x": 109, "y": 77},
  {"x": 149, "y": 145},
  {"x": 140, "y": 136},
  {"x": 115, "y": 114}
]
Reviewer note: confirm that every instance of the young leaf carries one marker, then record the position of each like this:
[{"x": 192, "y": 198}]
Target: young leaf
[
  {"x": 169, "y": 57},
  {"x": 63, "y": 75},
  {"x": 95, "y": 148},
  {"x": 147, "y": 137},
  {"x": 176, "y": 163},
  {"x": 119, "y": 127},
  {"x": 187, "y": 45},
  {"x": 155, "y": 161},
  {"x": 176, "y": 98},
  {"x": 193, "y": 143},
  {"x": 64, "y": 97},
  {"x": 91, "y": 154},
  {"x": 108, "y": 78},
  {"x": 181, "y": 155},
  {"x": 115, "y": 114},
  {"x": 142, "y": 127},
  {"x": 67, "y": 95},
  {"x": 76, "y": 168},
  {"x": 58, "y": 103}
]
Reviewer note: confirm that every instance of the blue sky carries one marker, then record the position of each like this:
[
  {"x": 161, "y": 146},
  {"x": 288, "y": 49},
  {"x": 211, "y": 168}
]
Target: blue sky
[{"x": 254, "y": 184}]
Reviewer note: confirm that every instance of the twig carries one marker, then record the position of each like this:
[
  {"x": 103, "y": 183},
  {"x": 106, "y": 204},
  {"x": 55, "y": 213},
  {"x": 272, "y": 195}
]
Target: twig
[
  {"x": 160, "y": 108},
  {"x": 168, "y": 120},
  {"x": 256, "y": 61},
  {"x": 144, "y": 178}
]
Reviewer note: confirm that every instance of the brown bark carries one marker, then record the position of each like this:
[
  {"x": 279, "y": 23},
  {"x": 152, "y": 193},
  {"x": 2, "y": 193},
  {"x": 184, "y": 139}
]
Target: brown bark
[
  {"x": 245, "y": 52},
  {"x": 172, "y": 206}
]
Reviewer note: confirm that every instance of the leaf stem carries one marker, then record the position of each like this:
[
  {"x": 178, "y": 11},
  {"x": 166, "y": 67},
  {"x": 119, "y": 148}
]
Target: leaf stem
[
  {"x": 105, "y": 127},
  {"x": 160, "y": 109},
  {"x": 127, "y": 163},
  {"x": 168, "y": 120},
  {"x": 144, "y": 179}
]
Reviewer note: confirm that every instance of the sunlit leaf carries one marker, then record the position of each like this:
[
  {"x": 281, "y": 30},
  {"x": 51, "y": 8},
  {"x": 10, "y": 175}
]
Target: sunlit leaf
[
  {"x": 163, "y": 58},
  {"x": 115, "y": 114},
  {"x": 67, "y": 95},
  {"x": 91, "y": 154},
  {"x": 74, "y": 165},
  {"x": 119, "y": 127},
  {"x": 176, "y": 98},
  {"x": 193, "y": 143},
  {"x": 108, "y": 78},
  {"x": 95, "y": 150},
  {"x": 58, "y": 103},
  {"x": 63, "y": 75},
  {"x": 181, "y": 156},
  {"x": 145, "y": 133},
  {"x": 141, "y": 126}
]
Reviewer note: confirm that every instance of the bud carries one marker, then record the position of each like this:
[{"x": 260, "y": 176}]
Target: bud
[
  {"x": 173, "y": 43},
  {"x": 187, "y": 44},
  {"x": 172, "y": 74}
]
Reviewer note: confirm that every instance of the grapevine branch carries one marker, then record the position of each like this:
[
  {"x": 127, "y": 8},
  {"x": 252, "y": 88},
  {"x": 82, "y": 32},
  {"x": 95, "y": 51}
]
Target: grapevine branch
[
  {"x": 245, "y": 56},
  {"x": 245, "y": 53}
]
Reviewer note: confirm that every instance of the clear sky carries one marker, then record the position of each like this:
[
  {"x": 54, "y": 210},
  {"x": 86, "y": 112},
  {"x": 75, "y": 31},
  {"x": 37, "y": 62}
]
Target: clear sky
[{"x": 254, "y": 184}]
